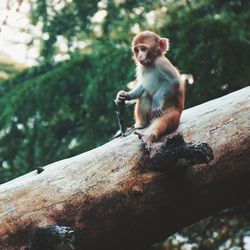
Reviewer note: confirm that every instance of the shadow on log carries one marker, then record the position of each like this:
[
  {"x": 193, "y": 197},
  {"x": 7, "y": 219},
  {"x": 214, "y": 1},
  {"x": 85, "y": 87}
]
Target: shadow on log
[{"x": 121, "y": 196}]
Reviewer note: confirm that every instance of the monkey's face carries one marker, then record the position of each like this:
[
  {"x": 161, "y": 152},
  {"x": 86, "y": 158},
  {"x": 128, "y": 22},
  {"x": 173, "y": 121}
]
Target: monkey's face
[
  {"x": 147, "y": 46},
  {"x": 143, "y": 54}
]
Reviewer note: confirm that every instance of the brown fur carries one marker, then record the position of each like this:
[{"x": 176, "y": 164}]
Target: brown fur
[
  {"x": 160, "y": 90},
  {"x": 173, "y": 106}
]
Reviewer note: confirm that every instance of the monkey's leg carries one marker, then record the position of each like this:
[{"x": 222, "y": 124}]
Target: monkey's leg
[
  {"x": 167, "y": 123},
  {"x": 142, "y": 112}
]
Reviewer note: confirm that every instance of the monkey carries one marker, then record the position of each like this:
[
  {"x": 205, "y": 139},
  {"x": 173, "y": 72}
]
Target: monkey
[{"x": 160, "y": 90}]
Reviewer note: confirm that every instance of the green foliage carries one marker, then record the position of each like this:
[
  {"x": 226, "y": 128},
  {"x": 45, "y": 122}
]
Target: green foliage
[
  {"x": 216, "y": 37},
  {"x": 73, "y": 21},
  {"x": 57, "y": 110}
]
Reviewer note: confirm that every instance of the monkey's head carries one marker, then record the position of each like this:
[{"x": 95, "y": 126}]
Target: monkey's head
[{"x": 147, "y": 46}]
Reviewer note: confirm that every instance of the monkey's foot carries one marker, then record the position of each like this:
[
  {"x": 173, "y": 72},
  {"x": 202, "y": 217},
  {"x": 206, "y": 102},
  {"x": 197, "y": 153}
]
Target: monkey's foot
[{"x": 139, "y": 126}]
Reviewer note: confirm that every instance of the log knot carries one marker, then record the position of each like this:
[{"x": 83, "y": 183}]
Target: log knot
[
  {"x": 53, "y": 237},
  {"x": 175, "y": 151}
]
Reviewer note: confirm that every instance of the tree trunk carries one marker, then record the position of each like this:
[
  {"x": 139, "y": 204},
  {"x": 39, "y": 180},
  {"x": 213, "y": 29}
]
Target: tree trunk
[{"x": 123, "y": 196}]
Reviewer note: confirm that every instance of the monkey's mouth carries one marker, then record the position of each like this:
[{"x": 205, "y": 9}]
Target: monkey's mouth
[{"x": 145, "y": 62}]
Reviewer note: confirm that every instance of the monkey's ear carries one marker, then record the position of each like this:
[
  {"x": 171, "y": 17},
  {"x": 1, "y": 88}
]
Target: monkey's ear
[{"x": 164, "y": 44}]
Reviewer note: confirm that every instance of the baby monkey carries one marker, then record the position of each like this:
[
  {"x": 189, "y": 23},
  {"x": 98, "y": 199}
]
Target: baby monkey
[{"x": 159, "y": 91}]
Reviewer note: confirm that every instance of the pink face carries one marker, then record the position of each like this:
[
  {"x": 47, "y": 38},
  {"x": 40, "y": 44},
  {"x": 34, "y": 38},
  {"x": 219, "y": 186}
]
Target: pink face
[
  {"x": 142, "y": 54},
  {"x": 146, "y": 53}
]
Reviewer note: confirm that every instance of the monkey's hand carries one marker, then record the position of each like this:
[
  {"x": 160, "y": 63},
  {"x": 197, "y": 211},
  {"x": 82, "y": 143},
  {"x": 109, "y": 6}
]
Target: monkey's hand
[
  {"x": 122, "y": 96},
  {"x": 157, "y": 110},
  {"x": 157, "y": 107}
]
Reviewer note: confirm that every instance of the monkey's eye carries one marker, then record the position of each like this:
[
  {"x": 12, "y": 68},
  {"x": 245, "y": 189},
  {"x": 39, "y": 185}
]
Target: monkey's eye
[
  {"x": 143, "y": 48},
  {"x": 136, "y": 50}
]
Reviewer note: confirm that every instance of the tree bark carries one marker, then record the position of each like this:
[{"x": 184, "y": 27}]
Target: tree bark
[{"x": 123, "y": 196}]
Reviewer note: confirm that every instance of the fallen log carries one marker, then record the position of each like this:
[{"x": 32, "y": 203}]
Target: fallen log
[{"x": 122, "y": 196}]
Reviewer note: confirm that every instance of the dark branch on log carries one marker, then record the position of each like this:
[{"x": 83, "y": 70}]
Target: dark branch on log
[{"x": 121, "y": 118}]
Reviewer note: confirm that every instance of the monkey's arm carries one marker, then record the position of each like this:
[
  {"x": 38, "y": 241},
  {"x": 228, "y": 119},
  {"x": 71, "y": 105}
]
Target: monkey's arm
[
  {"x": 165, "y": 92},
  {"x": 136, "y": 92},
  {"x": 131, "y": 95}
]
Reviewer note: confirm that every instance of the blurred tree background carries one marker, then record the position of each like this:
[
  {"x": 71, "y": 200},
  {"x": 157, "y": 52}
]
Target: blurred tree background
[{"x": 63, "y": 104}]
